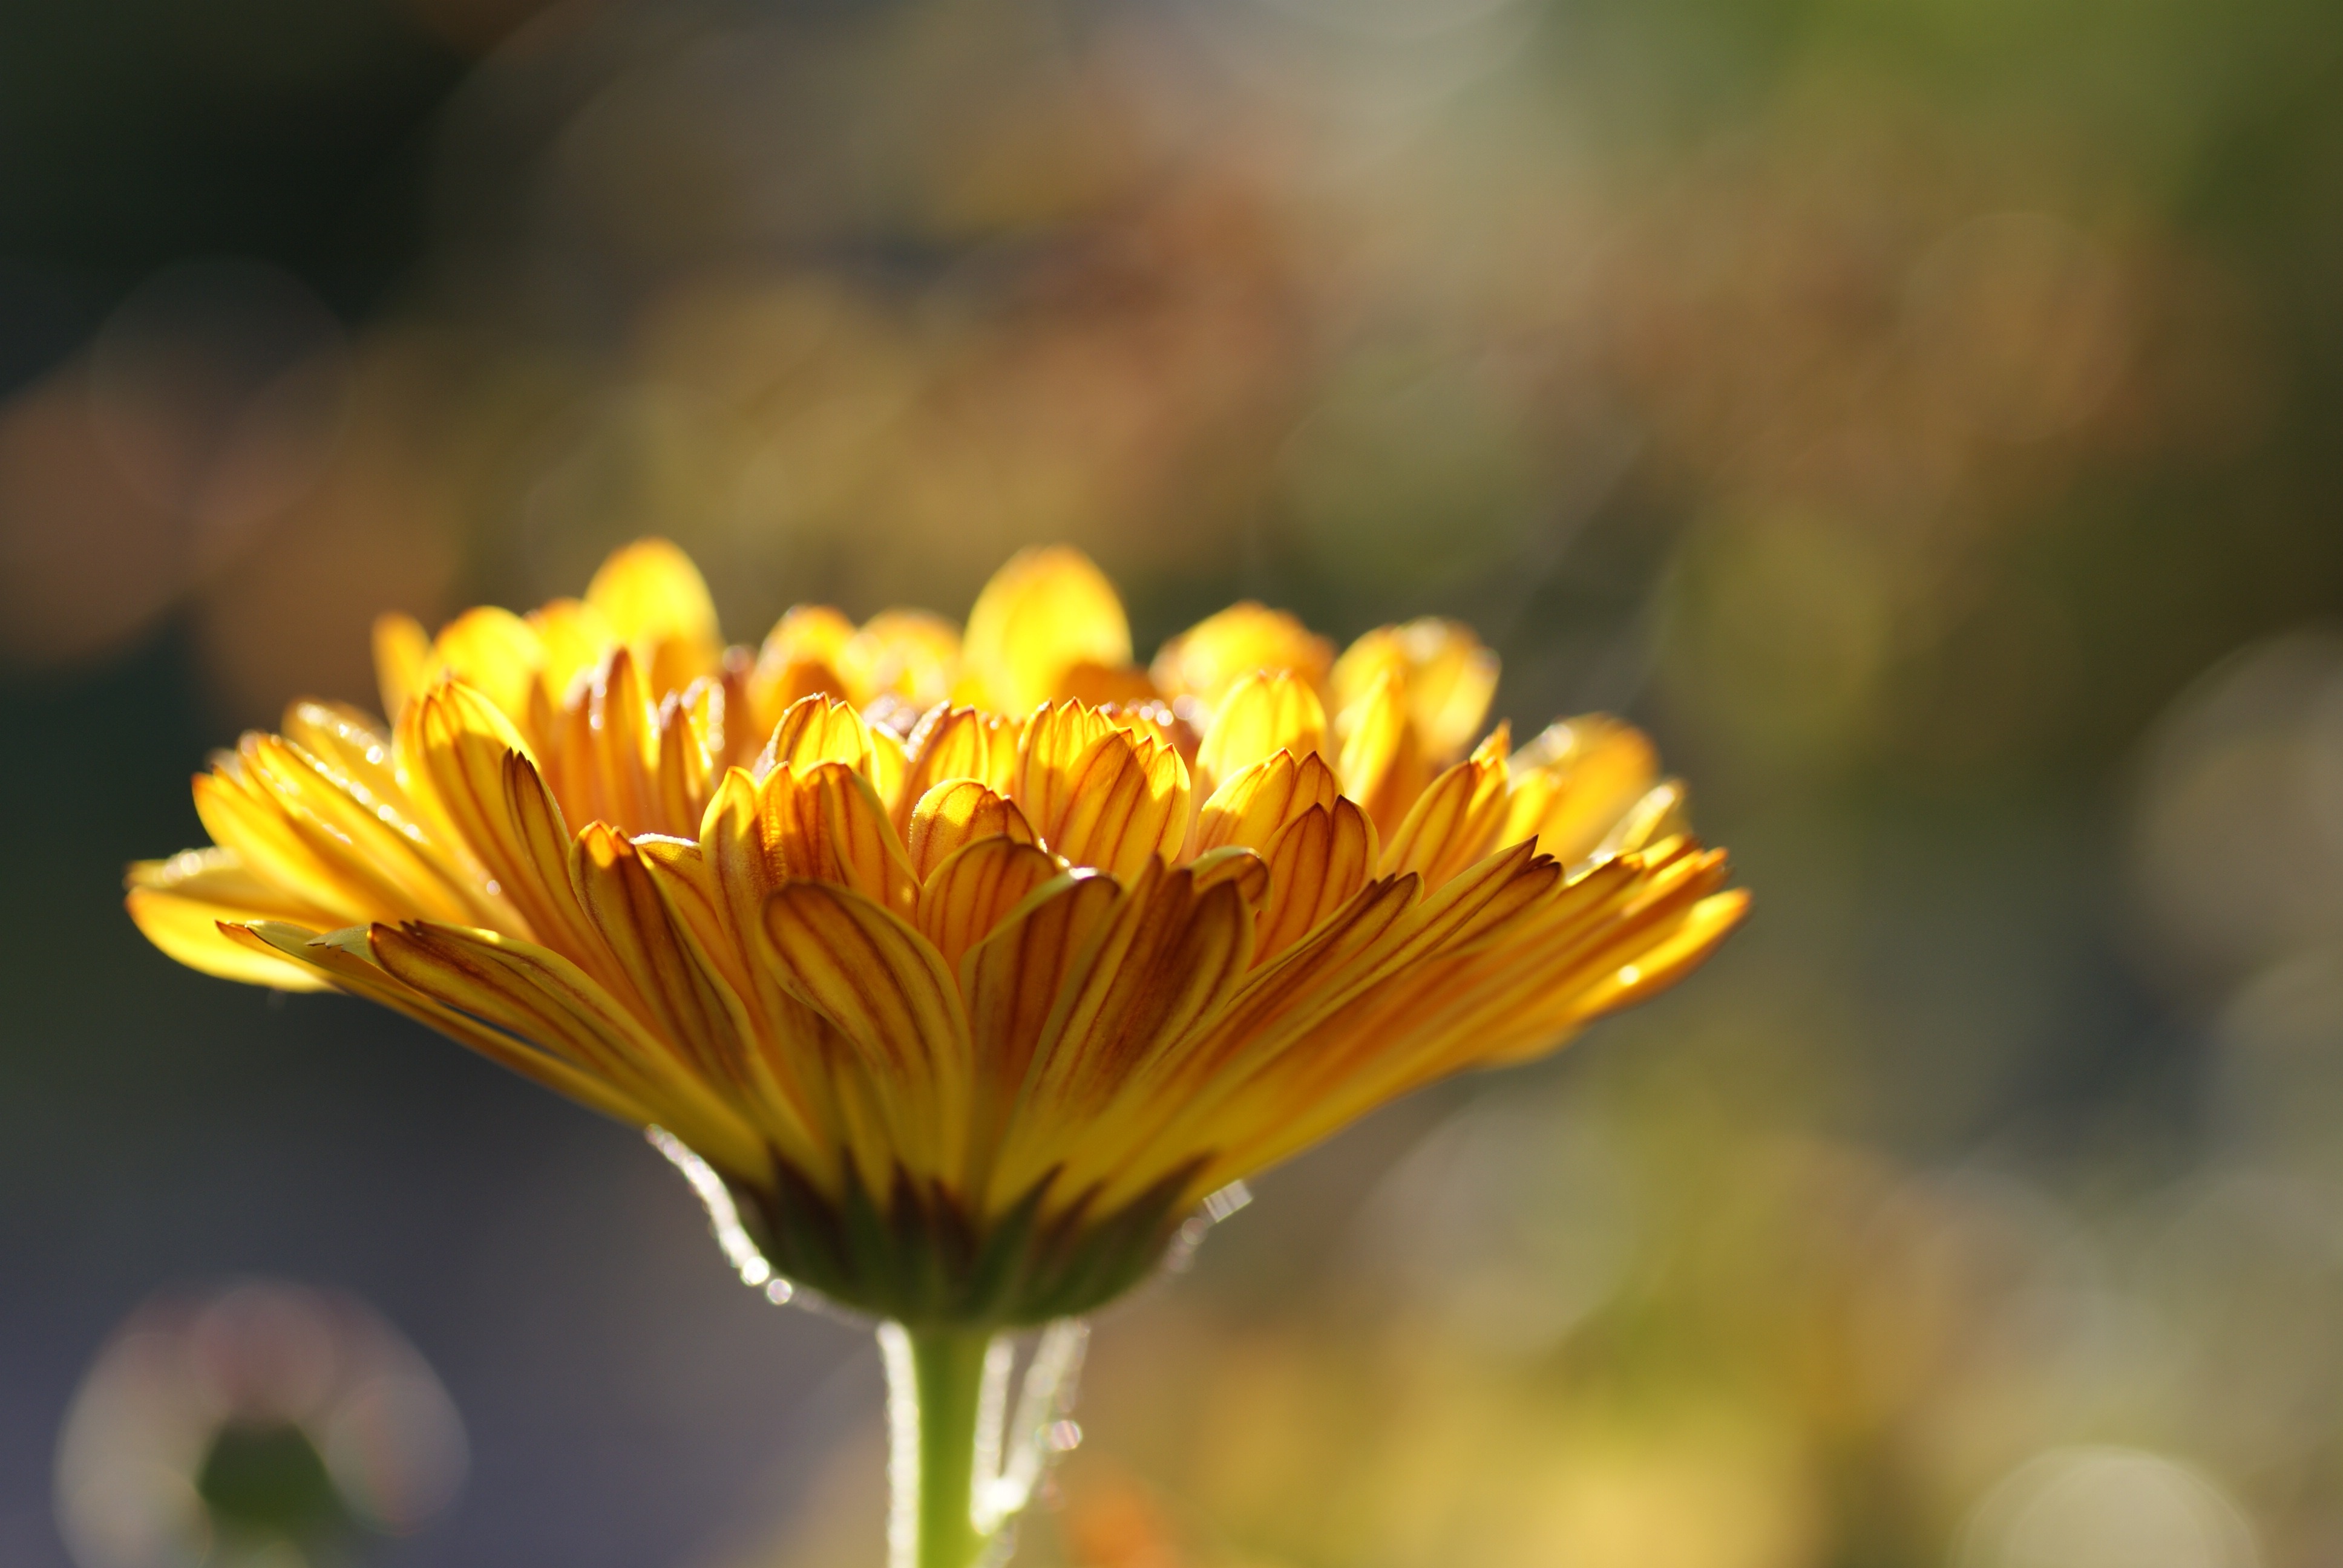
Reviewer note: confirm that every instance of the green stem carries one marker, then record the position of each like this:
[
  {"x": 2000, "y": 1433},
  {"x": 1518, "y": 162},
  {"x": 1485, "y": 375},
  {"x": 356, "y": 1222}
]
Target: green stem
[{"x": 935, "y": 1387}]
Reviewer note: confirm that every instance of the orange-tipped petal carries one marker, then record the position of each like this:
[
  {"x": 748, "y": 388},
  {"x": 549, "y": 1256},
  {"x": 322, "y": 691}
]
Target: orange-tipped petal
[{"x": 1046, "y": 611}]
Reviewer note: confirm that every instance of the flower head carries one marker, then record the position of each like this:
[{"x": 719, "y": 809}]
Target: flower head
[{"x": 970, "y": 961}]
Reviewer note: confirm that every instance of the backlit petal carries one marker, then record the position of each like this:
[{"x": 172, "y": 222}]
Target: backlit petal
[
  {"x": 1572, "y": 784},
  {"x": 651, "y": 594},
  {"x": 957, "y": 812},
  {"x": 1252, "y": 808},
  {"x": 402, "y": 658},
  {"x": 1046, "y": 611},
  {"x": 1448, "y": 678},
  {"x": 975, "y": 888},
  {"x": 1455, "y": 821},
  {"x": 1218, "y": 651},
  {"x": 1260, "y": 715}
]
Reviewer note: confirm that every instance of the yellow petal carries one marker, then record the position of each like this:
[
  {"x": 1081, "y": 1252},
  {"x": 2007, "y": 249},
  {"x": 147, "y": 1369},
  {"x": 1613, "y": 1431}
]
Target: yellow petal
[
  {"x": 485, "y": 785},
  {"x": 1046, "y": 611},
  {"x": 543, "y": 998},
  {"x": 346, "y": 959},
  {"x": 1684, "y": 947},
  {"x": 402, "y": 658},
  {"x": 1107, "y": 685},
  {"x": 1218, "y": 651},
  {"x": 826, "y": 823},
  {"x": 1574, "y": 783},
  {"x": 494, "y": 652},
  {"x": 1383, "y": 766},
  {"x": 1455, "y": 821},
  {"x": 1317, "y": 864},
  {"x": 690, "y": 745},
  {"x": 958, "y": 743},
  {"x": 906, "y": 652},
  {"x": 817, "y": 730},
  {"x": 676, "y": 998},
  {"x": 1447, "y": 676},
  {"x": 1252, "y": 808},
  {"x": 1166, "y": 965},
  {"x": 799, "y": 657},
  {"x": 1053, "y": 744},
  {"x": 606, "y": 769},
  {"x": 955, "y": 813},
  {"x": 886, "y": 991},
  {"x": 886, "y": 767},
  {"x": 1260, "y": 715},
  {"x": 371, "y": 846},
  {"x": 975, "y": 888},
  {"x": 180, "y": 904},
  {"x": 1123, "y": 803},
  {"x": 347, "y": 741},
  {"x": 573, "y": 638},
  {"x": 1014, "y": 977},
  {"x": 649, "y": 593}
]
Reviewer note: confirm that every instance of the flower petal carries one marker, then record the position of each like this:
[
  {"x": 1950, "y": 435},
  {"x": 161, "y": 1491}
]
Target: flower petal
[
  {"x": 483, "y": 784},
  {"x": 1455, "y": 821},
  {"x": 1447, "y": 676},
  {"x": 1317, "y": 863},
  {"x": 957, "y": 812},
  {"x": 1572, "y": 784},
  {"x": 1382, "y": 765},
  {"x": 1257, "y": 804},
  {"x": 651, "y": 594},
  {"x": 491, "y": 650},
  {"x": 541, "y": 997},
  {"x": 402, "y": 658},
  {"x": 181, "y": 903},
  {"x": 973, "y": 889},
  {"x": 908, "y": 653},
  {"x": 1218, "y": 651},
  {"x": 958, "y": 743},
  {"x": 887, "y": 993},
  {"x": 1124, "y": 803},
  {"x": 799, "y": 658},
  {"x": 1046, "y": 610},
  {"x": 1261, "y": 714},
  {"x": 347, "y": 962},
  {"x": 816, "y": 729}
]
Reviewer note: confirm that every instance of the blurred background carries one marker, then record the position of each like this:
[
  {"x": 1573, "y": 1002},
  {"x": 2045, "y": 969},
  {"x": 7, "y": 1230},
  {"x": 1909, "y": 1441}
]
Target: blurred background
[{"x": 1926, "y": 416}]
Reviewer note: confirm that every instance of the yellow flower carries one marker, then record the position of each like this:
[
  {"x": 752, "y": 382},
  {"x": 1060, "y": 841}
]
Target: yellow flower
[{"x": 970, "y": 989}]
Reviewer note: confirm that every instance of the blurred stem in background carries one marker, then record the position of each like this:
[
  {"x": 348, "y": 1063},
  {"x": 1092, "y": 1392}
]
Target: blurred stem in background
[{"x": 960, "y": 1476}]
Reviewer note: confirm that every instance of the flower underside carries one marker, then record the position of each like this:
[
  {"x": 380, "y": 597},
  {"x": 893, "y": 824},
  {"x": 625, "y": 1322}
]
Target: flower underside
[{"x": 971, "y": 960}]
